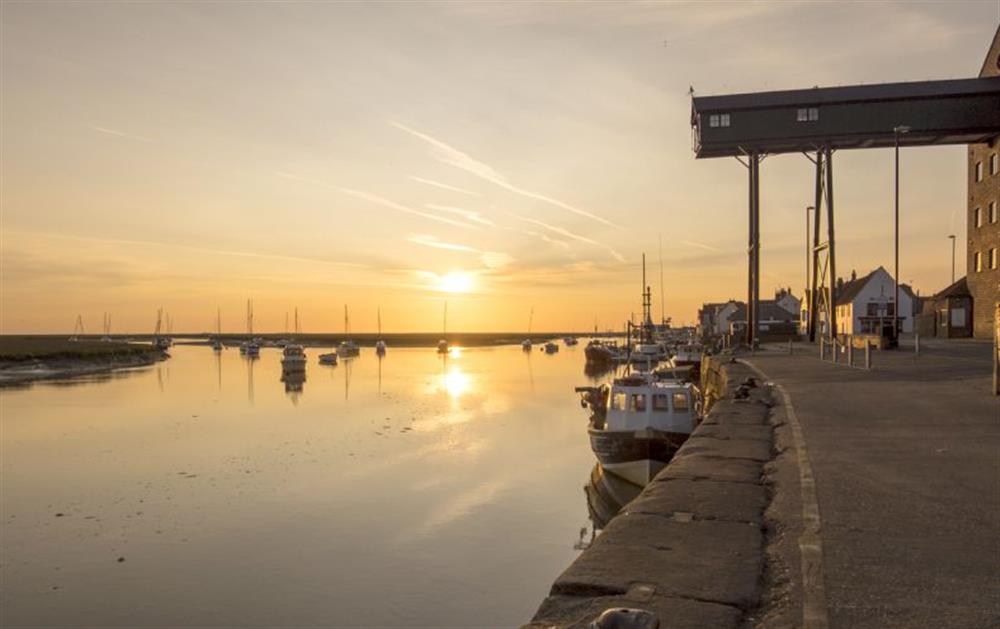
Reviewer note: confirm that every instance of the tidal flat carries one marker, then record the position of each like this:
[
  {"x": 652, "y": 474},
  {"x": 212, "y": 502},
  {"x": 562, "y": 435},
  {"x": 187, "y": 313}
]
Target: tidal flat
[{"x": 209, "y": 489}]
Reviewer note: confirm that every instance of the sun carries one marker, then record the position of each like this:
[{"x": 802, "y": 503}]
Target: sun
[{"x": 456, "y": 282}]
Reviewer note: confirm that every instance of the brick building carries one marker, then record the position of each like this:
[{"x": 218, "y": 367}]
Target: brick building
[{"x": 983, "y": 276}]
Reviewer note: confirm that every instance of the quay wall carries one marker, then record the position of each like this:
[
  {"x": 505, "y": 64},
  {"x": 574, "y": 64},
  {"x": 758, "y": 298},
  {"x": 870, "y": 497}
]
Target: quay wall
[{"x": 690, "y": 547}]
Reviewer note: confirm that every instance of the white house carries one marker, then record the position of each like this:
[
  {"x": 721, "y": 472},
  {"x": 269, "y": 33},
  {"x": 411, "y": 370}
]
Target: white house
[{"x": 865, "y": 304}]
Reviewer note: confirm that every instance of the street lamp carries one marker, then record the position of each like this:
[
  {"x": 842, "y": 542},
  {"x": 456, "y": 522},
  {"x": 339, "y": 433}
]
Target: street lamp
[
  {"x": 896, "y": 131},
  {"x": 805, "y": 295},
  {"x": 952, "y": 258}
]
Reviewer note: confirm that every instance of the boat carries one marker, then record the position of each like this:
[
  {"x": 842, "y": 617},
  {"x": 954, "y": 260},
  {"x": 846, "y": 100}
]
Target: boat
[
  {"x": 600, "y": 352},
  {"x": 160, "y": 342},
  {"x": 250, "y": 347},
  {"x": 328, "y": 358},
  {"x": 526, "y": 343},
  {"x": 442, "y": 346},
  {"x": 293, "y": 358},
  {"x": 348, "y": 348},
  {"x": 570, "y": 341},
  {"x": 217, "y": 341},
  {"x": 689, "y": 354},
  {"x": 380, "y": 344},
  {"x": 550, "y": 348},
  {"x": 639, "y": 422}
]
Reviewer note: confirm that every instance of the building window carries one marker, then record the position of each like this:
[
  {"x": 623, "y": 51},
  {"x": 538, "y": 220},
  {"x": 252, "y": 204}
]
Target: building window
[
  {"x": 994, "y": 167},
  {"x": 977, "y": 217},
  {"x": 993, "y": 258},
  {"x": 979, "y": 171},
  {"x": 807, "y": 114},
  {"x": 978, "y": 262},
  {"x": 993, "y": 211},
  {"x": 718, "y": 120}
]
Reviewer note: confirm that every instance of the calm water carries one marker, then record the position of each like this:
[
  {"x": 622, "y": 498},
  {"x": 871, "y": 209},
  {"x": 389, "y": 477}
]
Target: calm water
[{"x": 412, "y": 491}]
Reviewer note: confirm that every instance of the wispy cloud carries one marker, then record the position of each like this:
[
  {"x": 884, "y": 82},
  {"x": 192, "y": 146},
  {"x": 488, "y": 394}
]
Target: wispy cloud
[
  {"x": 475, "y": 217},
  {"x": 489, "y": 259},
  {"x": 120, "y": 134},
  {"x": 454, "y": 157},
  {"x": 568, "y": 234},
  {"x": 392, "y": 205},
  {"x": 432, "y": 241},
  {"x": 692, "y": 243},
  {"x": 443, "y": 186}
]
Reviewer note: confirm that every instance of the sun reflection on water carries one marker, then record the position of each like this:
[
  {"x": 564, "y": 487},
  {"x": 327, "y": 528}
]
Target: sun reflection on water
[{"x": 456, "y": 382}]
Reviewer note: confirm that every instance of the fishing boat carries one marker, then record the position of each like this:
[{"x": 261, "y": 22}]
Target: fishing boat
[
  {"x": 600, "y": 352},
  {"x": 570, "y": 341},
  {"x": 550, "y": 348},
  {"x": 380, "y": 344},
  {"x": 638, "y": 423},
  {"x": 348, "y": 348},
  {"x": 442, "y": 346},
  {"x": 689, "y": 354},
  {"x": 293, "y": 358}
]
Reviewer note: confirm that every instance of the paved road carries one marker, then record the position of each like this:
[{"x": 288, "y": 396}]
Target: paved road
[{"x": 907, "y": 466}]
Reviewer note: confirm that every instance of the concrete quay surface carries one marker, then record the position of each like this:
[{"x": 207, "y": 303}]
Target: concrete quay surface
[
  {"x": 690, "y": 547},
  {"x": 905, "y": 461}
]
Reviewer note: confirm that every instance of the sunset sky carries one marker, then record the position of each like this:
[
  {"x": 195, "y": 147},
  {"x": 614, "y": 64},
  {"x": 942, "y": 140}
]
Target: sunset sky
[{"x": 501, "y": 156}]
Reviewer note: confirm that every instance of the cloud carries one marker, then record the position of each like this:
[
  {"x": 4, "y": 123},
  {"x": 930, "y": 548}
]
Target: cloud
[
  {"x": 702, "y": 245},
  {"x": 490, "y": 259},
  {"x": 475, "y": 217},
  {"x": 432, "y": 241},
  {"x": 443, "y": 186},
  {"x": 568, "y": 234},
  {"x": 120, "y": 134},
  {"x": 454, "y": 157},
  {"x": 392, "y": 205}
]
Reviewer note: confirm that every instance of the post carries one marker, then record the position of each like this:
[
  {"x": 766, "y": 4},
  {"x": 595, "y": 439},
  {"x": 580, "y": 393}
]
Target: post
[
  {"x": 821, "y": 353},
  {"x": 756, "y": 250},
  {"x": 868, "y": 354},
  {"x": 895, "y": 319},
  {"x": 831, "y": 253},
  {"x": 813, "y": 324},
  {"x": 850, "y": 352},
  {"x": 916, "y": 343},
  {"x": 952, "y": 258}
]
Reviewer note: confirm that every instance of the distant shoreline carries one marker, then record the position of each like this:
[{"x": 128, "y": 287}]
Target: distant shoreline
[{"x": 27, "y": 359}]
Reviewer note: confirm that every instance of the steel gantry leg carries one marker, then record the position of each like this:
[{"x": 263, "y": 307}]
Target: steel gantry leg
[
  {"x": 823, "y": 288},
  {"x": 753, "y": 248}
]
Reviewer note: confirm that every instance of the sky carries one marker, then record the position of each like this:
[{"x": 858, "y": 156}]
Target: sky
[{"x": 505, "y": 158}]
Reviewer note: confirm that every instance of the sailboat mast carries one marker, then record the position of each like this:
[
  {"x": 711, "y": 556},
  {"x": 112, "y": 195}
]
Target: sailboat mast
[
  {"x": 446, "y": 318},
  {"x": 378, "y": 313}
]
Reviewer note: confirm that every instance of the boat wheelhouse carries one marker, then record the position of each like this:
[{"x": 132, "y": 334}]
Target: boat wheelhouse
[
  {"x": 639, "y": 423},
  {"x": 293, "y": 358}
]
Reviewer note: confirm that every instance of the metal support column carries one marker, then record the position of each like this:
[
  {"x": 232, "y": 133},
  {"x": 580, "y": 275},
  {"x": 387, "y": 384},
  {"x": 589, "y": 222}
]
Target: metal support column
[
  {"x": 823, "y": 288},
  {"x": 753, "y": 248}
]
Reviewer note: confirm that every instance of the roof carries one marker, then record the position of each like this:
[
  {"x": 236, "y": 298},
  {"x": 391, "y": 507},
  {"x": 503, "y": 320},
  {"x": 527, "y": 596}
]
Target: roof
[
  {"x": 850, "y": 289},
  {"x": 846, "y": 94},
  {"x": 769, "y": 311},
  {"x": 958, "y": 289}
]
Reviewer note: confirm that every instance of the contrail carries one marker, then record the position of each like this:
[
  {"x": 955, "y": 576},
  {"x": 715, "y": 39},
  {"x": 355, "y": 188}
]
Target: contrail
[
  {"x": 392, "y": 205},
  {"x": 475, "y": 217},
  {"x": 431, "y": 241},
  {"x": 450, "y": 155},
  {"x": 568, "y": 234},
  {"x": 700, "y": 244},
  {"x": 444, "y": 186},
  {"x": 120, "y": 134}
]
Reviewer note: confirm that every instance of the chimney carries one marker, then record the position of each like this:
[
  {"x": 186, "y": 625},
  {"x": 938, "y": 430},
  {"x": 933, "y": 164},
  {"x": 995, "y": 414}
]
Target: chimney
[
  {"x": 854, "y": 275},
  {"x": 840, "y": 283}
]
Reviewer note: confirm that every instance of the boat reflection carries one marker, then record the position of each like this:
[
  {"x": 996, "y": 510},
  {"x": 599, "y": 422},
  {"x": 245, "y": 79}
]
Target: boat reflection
[
  {"x": 596, "y": 372},
  {"x": 607, "y": 494},
  {"x": 294, "y": 380}
]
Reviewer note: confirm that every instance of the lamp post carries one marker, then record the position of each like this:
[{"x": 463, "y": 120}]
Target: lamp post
[
  {"x": 805, "y": 295},
  {"x": 952, "y": 258},
  {"x": 896, "y": 131}
]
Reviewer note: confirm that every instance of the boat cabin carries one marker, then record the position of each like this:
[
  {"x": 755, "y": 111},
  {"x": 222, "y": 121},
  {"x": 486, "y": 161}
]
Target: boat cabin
[{"x": 640, "y": 403}]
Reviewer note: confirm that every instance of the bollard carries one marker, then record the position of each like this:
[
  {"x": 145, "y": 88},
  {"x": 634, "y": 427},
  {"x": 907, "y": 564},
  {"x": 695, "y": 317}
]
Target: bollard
[
  {"x": 835, "y": 346},
  {"x": 916, "y": 344},
  {"x": 789, "y": 347},
  {"x": 821, "y": 356},
  {"x": 868, "y": 355},
  {"x": 850, "y": 353}
]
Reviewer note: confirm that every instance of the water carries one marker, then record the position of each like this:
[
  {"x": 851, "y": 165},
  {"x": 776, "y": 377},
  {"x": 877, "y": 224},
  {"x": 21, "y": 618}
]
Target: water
[{"x": 413, "y": 491}]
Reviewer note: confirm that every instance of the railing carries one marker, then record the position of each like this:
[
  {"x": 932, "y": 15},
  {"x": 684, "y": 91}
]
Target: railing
[{"x": 844, "y": 346}]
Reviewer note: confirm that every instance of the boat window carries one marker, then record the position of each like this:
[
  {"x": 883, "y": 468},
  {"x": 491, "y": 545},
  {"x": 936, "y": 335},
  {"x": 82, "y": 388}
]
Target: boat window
[
  {"x": 639, "y": 403},
  {"x": 618, "y": 401},
  {"x": 680, "y": 401},
  {"x": 660, "y": 402}
]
